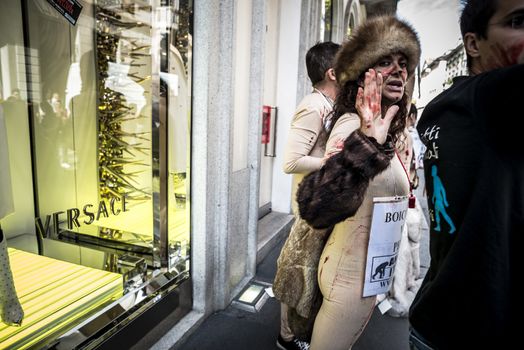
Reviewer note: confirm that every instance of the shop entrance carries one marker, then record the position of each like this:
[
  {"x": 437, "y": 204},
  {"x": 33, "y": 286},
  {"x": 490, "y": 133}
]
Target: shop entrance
[{"x": 267, "y": 155}]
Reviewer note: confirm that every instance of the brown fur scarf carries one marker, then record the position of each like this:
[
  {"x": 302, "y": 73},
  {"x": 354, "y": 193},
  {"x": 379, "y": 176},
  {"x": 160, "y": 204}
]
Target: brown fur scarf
[{"x": 336, "y": 191}]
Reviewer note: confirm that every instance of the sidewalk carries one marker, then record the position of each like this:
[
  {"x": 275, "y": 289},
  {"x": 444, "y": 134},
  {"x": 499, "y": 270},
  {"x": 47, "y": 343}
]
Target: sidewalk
[{"x": 235, "y": 329}]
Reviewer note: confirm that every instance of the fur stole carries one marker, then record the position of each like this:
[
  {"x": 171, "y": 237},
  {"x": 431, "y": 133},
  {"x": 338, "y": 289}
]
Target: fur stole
[{"x": 336, "y": 191}]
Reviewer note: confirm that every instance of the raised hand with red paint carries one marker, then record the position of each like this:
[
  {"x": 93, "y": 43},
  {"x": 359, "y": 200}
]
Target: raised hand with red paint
[{"x": 369, "y": 108}]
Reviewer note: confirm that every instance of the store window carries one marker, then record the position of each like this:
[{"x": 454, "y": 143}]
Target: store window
[{"x": 95, "y": 126}]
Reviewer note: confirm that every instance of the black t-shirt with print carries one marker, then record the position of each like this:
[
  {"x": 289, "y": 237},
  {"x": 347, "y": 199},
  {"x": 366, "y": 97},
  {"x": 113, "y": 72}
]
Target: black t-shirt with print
[{"x": 474, "y": 178}]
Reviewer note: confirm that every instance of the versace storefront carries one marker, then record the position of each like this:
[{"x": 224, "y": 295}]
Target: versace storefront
[{"x": 94, "y": 170}]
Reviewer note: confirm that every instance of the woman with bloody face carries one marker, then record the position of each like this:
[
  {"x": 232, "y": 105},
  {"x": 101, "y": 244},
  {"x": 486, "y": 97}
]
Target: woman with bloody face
[{"x": 372, "y": 68}]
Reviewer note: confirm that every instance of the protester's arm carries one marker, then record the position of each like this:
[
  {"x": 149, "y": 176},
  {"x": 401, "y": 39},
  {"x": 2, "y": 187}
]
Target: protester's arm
[
  {"x": 305, "y": 128},
  {"x": 336, "y": 191}
]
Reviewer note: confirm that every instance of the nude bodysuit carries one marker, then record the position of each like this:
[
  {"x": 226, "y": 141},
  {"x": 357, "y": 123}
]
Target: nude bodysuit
[{"x": 344, "y": 312}]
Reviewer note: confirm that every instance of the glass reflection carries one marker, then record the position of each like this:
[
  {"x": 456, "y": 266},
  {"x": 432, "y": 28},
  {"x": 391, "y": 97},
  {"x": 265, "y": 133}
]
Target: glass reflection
[{"x": 178, "y": 80}]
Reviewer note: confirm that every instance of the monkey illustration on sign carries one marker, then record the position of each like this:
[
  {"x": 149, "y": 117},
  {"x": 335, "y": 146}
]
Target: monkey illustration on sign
[{"x": 381, "y": 269}]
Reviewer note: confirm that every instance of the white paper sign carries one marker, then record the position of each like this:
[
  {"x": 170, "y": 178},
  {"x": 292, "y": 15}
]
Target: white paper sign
[{"x": 389, "y": 216}]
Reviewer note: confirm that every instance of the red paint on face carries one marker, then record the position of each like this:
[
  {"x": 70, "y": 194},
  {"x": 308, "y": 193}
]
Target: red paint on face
[
  {"x": 515, "y": 52},
  {"x": 387, "y": 72},
  {"x": 505, "y": 56},
  {"x": 499, "y": 58}
]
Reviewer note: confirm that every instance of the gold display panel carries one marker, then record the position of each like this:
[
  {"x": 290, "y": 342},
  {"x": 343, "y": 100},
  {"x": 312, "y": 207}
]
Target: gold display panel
[{"x": 55, "y": 295}]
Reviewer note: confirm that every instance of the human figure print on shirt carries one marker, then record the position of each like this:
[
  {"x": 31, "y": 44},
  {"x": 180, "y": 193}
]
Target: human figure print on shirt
[{"x": 440, "y": 202}]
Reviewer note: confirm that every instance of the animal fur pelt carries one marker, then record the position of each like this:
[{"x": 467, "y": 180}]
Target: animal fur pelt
[
  {"x": 302, "y": 327},
  {"x": 336, "y": 191},
  {"x": 371, "y": 41},
  {"x": 407, "y": 279},
  {"x": 296, "y": 282}
]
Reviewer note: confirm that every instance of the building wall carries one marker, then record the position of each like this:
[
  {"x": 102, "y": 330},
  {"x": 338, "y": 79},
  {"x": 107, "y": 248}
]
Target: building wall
[
  {"x": 225, "y": 191},
  {"x": 241, "y": 78},
  {"x": 269, "y": 68},
  {"x": 456, "y": 65},
  {"x": 224, "y": 195},
  {"x": 287, "y": 84},
  {"x": 293, "y": 82},
  {"x": 432, "y": 84}
]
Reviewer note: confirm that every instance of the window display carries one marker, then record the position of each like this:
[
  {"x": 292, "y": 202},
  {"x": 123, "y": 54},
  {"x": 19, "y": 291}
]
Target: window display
[
  {"x": 52, "y": 301},
  {"x": 97, "y": 125}
]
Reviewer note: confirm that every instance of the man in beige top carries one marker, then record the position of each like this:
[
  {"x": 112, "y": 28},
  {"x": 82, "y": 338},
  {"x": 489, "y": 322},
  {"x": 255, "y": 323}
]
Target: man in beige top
[
  {"x": 307, "y": 142},
  {"x": 307, "y": 137}
]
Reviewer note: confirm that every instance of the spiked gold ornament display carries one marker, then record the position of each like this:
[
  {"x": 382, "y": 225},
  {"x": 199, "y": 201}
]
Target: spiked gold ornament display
[{"x": 115, "y": 151}]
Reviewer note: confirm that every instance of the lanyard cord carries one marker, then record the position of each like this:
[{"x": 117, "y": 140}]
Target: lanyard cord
[
  {"x": 411, "y": 195},
  {"x": 405, "y": 171}
]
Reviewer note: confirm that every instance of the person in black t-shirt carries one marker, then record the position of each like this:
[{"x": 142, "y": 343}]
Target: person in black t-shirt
[{"x": 469, "y": 296}]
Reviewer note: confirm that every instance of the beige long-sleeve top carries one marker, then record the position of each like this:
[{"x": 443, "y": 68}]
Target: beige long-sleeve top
[{"x": 306, "y": 143}]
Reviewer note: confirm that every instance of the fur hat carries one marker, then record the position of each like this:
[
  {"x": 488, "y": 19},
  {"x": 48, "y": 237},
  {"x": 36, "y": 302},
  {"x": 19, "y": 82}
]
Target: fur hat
[{"x": 372, "y": 40}]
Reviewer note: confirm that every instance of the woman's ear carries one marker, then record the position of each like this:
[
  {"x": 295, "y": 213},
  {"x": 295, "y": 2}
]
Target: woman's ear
[{"x": 471, "y": 45}]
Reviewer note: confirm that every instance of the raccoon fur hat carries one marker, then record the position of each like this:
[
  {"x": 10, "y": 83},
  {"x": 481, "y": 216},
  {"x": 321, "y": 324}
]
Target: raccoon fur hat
[{"x": 372, "y": 40}]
